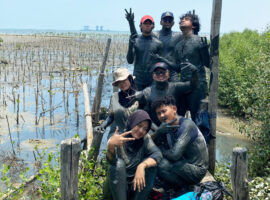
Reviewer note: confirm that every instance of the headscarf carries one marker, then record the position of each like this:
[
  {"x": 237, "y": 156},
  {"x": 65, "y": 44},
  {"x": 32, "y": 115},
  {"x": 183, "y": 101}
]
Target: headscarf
[
  {"x": 133, "y": 120},
  {"x": 123, "y": 100}
]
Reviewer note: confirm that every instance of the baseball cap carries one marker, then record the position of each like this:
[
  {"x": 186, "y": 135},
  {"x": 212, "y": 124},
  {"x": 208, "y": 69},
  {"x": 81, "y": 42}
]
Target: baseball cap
[
  {"x": 167, "y": 14},
  {"x": 161, "y": 65},
  {"x": 147, "y": 17}
]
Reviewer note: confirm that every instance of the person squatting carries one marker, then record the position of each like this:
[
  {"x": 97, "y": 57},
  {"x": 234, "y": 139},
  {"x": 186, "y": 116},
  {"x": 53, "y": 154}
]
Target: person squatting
[{"x": 151, "y": 144}]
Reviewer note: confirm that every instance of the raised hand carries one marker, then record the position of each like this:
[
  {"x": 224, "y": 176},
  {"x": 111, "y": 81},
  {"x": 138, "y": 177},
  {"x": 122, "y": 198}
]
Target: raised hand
[
  {"x": 118, "y": 140},
  {"x": 156, "y": 56},
  {"x": 129, "y": 15}
]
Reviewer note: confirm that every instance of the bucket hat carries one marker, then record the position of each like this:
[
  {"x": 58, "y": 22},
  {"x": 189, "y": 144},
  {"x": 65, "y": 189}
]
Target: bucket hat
[{"x": 120, "y": 74}]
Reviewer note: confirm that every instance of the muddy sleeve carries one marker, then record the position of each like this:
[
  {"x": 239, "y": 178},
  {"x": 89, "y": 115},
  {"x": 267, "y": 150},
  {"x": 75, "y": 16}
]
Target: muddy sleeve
[
  {"x": 178, "y": 149},
  {"x": 182, "y": 87},
  {"x": 151, "y": 150},
  {"x": 131, "y": 51}
]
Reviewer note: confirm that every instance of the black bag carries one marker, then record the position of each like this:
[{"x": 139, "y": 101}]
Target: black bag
[{"x": 217, "y": 189}]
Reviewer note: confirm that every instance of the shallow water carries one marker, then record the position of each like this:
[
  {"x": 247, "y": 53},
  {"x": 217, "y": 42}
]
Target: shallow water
[{"x": 26, "y": 135}]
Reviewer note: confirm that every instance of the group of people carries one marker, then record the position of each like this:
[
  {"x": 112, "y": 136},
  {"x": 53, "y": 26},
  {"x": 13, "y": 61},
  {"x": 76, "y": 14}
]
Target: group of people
[{"x": 151, "y": 143}]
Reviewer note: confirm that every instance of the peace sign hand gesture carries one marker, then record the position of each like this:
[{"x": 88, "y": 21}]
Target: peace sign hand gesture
[
  {"x": 118, "y": 140},
  {"x": 129, "y": 15}
]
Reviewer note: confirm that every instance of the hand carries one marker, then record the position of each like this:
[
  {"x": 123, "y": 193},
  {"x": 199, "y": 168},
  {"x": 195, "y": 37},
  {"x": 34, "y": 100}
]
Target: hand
[
  {"x": 99, "y": 129},
  {"x": 137, "y": 95},
  {"x": 204, "y": 42},
  {"x": 129, "y": 15},
  {"x": 166, "y": 127},
  {"x": 118, "y": 140},
  {"x": 156, "y": 56},
  {"x": 139, "y": 179}
]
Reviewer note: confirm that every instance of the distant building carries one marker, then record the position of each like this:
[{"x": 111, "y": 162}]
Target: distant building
[
  {"x": 86, "y": 28},
  {"x": 97, "y": 28},
  {"x": 101, "y": 28}
]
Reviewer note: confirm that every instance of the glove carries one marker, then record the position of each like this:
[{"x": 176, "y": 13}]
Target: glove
[
  {"x": 129, "y": 15},
  {"x": 138, "y": 95},
  {"x": 157, "y": 57},
  {"x": 100, "y": 129},
  {"x": 187, "y": 71}
]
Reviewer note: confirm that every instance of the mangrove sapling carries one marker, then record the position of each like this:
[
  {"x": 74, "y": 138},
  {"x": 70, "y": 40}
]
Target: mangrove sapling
[
  {"x": 10, "y": 137},
  {"x": 51, "y": 96},
  {"x": 18, "y": 109}
]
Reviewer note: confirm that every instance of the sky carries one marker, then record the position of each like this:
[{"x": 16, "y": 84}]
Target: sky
[{"x": 74, "y": 14}]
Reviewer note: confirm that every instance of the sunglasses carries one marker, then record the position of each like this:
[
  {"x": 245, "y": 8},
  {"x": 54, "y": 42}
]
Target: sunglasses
[
  {"x": 167, "y": 19},
  {"x": 160, "y": 72}
]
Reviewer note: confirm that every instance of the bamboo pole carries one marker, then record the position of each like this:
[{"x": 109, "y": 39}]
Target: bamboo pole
[
  {"x": 213, "y": 94},
  {"x": 88, "y": 118}
]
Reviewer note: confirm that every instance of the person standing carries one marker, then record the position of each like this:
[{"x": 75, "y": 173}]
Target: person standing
[
  {"x": 168, "y": 37},
  {"x": 139, "y": 52}
]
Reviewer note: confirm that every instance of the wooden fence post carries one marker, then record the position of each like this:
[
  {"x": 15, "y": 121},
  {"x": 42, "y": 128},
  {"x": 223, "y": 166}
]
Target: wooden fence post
[
  {"x": 239, "y": 174},
  {"x": 97, "y": 100},
  {"x": 70, "y": 154},
  {"x": 213, "y": 93}
]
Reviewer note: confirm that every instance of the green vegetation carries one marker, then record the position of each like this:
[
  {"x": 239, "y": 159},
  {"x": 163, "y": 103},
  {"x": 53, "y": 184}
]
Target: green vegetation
[
  {"x": 91, "y": 177},
  {"x": 259, "y": 187},
  {"x": 244, "y": 88}
]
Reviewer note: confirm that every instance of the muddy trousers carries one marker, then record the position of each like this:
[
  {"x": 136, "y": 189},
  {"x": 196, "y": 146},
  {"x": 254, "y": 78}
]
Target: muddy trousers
[
  {"x": 191, "y": 101},
  {"x": 120, "y": 119},
  {"x": 119, "y": 187},
  {"x": 180, "y": 173}
]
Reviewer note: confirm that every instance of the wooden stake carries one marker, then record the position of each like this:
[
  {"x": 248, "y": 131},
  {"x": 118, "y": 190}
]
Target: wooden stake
[
  {"x": 97, "y": 99},
  {"x": 213, "y": 94},
  {"x": 239, "y": 174}
]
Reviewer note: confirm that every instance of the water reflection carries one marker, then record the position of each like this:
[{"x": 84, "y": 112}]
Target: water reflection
[{"x": 226, "y": 143}]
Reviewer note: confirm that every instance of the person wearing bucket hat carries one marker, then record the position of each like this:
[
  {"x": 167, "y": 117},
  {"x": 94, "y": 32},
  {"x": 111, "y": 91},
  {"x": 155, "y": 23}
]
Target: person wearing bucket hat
[
  {"x": 120, "y": 106},
  {"x": 139, "y": 52},
  {"x": 168, "y": 38},
  {"x": 162, "y": 87},
  {"x": 132, "y": 171}
]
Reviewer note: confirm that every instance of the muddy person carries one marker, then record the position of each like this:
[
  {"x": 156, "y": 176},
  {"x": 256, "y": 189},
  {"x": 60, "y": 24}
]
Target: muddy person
[
  {"x": 194, "y": 50},
  {"x": 168, "y": 37},
  {"x": 184, "y": 150},
  {"x": 121, "y": 107},
  {"x": 139, "y": 52},
  {"x": 162, "y": 87},
  {"x": 132, "y": 171}
]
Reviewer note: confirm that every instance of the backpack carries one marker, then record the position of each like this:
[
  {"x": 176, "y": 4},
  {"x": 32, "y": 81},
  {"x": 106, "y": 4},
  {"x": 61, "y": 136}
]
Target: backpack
[{"x": 217, "y": 189}]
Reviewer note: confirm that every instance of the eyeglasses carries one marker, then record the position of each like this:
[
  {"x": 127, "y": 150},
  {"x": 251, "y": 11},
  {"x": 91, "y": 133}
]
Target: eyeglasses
[
  {"x": 160, "y": 72},
  {"x": 167, "y": 19}
]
